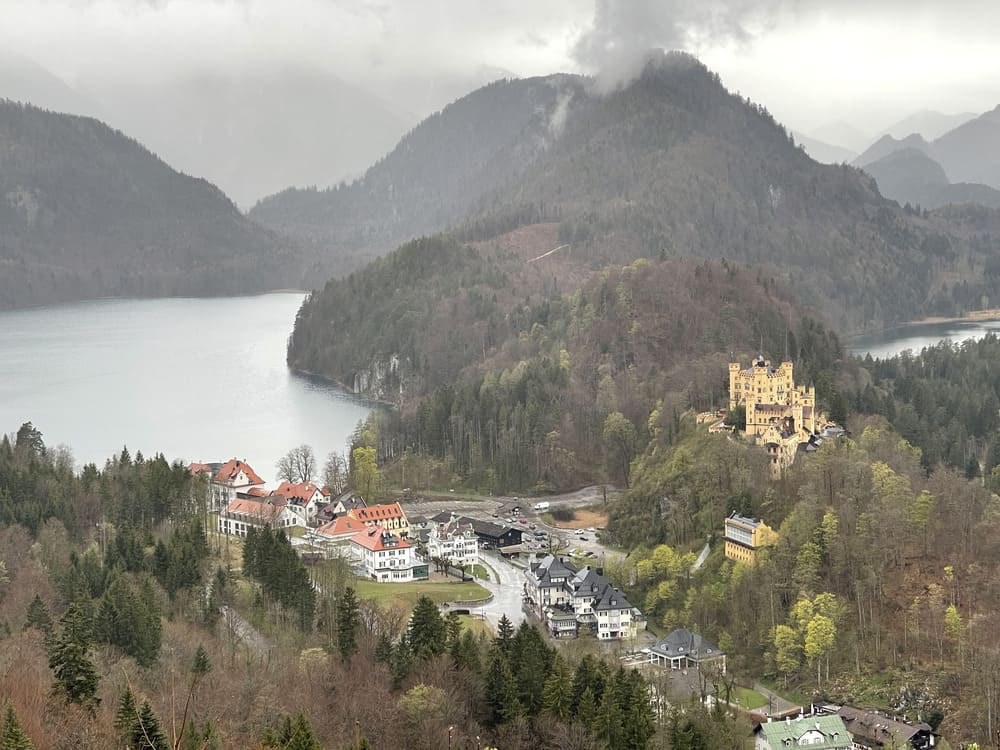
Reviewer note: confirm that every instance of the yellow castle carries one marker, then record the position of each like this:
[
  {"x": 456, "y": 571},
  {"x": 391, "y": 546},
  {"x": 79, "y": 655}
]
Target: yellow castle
[{"x": 779, "y": 414}]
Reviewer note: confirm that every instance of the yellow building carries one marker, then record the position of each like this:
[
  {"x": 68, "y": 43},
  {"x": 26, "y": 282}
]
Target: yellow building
[
  {"x": 745, "y": 537},
  {"x": 779, "y": 414}
]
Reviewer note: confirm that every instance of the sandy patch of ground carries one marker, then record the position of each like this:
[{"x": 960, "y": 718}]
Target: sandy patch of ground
[{"x": 584, "y": 519}]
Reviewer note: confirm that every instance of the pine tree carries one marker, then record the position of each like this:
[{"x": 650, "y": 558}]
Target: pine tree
[
  {"x": 501, "y": 691},
  {"x": 402, "y": 660},
  {"x": 608, "y": 722},
  {"x": 465, "y": 653},
  {"x": 12, "y": 737},
  {"x": 125, "y": 716},
  {"x": 294, "y": 734},
  {"x": 348, "y": 621},
  {"x": 383, "y": 649},
  {"x": 427, "y": 631},
  {"x": 557, "y": 697},
  {"x": 201, "y": 666},
  {"x": 146, "y": 733},
  {"x": 75, "y": 675},
  {"x": 38, "y": 616},
  {"x": 505, "y": 634},
  {"x": 586, "y": 710}
]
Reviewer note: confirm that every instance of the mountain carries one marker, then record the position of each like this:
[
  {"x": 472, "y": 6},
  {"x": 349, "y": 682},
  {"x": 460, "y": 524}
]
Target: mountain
[
  {"x": 561, "y": 182},
  {"x": 841, "y": 134},
  {"x": 824, "y": 153},
  {"x": 887, "y": 144},
  {"x": 256, "y": 132},
  {"x": 911, "y": 176},
  {"x": 971, "y": 152},
  {"x": 928, "y": 123},
  {"x": 25, "y": 81},
  {"x": 86, "y": 211},
  {"x": 439, "y": 172}
]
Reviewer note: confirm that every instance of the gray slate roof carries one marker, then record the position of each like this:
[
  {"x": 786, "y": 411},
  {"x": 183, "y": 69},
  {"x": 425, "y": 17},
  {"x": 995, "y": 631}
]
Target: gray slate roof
[{"x": 682, "y": 642}]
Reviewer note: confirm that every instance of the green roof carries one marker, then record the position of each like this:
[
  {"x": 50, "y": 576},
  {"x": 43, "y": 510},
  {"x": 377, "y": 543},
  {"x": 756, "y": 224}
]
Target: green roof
[{"x": 781, "y": 734}]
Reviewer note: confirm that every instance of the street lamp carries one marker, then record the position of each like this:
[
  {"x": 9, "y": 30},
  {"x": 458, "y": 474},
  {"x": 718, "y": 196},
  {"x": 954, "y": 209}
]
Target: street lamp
[{"x": 450, "y": 730}]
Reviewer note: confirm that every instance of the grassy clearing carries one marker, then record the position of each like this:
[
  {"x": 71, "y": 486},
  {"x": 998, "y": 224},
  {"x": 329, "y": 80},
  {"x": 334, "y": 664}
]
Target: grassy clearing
[
  {"x": 476, "y": 625},
  {"x": 748, "y": 699},
  {"x": 480, "y": 571},
  {"x": 408, "y": 593}
]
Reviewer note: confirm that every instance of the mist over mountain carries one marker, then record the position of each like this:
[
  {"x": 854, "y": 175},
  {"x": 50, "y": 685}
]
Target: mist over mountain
[
  {"x": 888, "y": 144},
  {"x": 255, "y": 132},
  {"x": 442, "y": 171},
  {"x": 86, "y": 211},
  {"x": 23, "y": 80},
  {"x": 971, "y": 152},
  {"x": 911, "y": 176},
  {"x": 928, "y": 123},
  {"x": 824, "y": 153}
]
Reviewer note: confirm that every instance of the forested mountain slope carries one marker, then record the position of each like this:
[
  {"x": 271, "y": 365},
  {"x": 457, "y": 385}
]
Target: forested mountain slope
[
  {"x": 670, "y": 165},
  {"x": 437, "y": 175},
  {"x": 87, "y": 212}
]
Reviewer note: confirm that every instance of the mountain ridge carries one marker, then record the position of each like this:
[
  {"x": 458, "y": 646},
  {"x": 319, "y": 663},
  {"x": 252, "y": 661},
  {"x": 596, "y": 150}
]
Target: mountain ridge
[{"x": 86, "y": 211}]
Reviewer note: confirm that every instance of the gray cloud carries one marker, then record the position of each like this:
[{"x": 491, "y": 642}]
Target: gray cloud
[{"x": 810, "y": 61}]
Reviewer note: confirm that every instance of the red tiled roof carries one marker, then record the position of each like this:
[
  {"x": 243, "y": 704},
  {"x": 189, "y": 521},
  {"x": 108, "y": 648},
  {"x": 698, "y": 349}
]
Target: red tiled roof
[
  {"x": 232, "y": 467},
  {"x": 379, "y": 512},
  {"x": 197, "y": 468},
  {"x": 372, "y": 539},
  {"x": 341, "y": 527},
  {"x": 254, "y": 509},
  {"x": 302, "y": 491},
  {"x": 257, "y": 492}
]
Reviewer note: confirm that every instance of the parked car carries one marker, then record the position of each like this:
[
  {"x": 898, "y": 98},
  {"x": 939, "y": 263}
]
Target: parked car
[
  {"x": 584, "y": 538},
  {"x": 523, "y": 521}
]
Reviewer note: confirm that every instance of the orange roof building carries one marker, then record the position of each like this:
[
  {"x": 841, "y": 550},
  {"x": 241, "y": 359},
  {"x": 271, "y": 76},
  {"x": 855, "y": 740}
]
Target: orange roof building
[
  {"x": 386, "y": 556},
  {"x": 390, "y": 516}
]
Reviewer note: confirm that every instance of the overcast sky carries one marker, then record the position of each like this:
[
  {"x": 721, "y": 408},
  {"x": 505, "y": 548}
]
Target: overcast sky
[{"x": 866, "y": 62}]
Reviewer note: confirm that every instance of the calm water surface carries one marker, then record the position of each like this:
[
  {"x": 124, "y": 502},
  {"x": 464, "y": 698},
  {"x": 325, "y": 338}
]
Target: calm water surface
[
  {"x": 195, "y": 379},
  {"x": 893, "y": 341}
]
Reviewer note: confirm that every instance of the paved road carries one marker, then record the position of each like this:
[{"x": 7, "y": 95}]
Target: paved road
[
  {"x": 506, "y": 594},
  {"x": 701, "y": 557}
]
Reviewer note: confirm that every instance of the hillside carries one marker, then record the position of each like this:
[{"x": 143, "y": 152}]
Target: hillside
[
  {"x": 437, "y": 174},
  {"x": 887, "y": 145},
  {"x": 911, "y": 176},
  {"x": 671, "y": 166},
  {"x": 255, "y": 132},
  {"x": 971, "y": 152},
  {"x": 87, "y": 212},
  {"x": 824, "y": 153}
]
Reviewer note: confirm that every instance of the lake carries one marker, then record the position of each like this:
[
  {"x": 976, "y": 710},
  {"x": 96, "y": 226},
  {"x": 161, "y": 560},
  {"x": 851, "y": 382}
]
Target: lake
[
  {"x": 893, "y": 341},
  {"x": 195, "y": 379}
]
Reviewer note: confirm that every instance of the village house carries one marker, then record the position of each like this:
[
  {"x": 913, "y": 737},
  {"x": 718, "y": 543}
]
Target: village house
[
  {"x": 491, "y": 535},
  {"x": 243, "y": 512},
  {"x": 341, "y": 529},
  {"x": 874, "y": 730},
  {"x": 389, "y": 516},
  {"x": 302, "y": 498},
  {"x": 453, "y": 541},
  {"x": 745, "y": 537},
  {"x": 226, "y": 480},
  {"x": 682, "y": 649},
  {"x": 816, "y": 732},
  {"x": 571, "y": 600},
  {"x": 779, "y": 415},
  {"x": 386, "y": 556},
  {"x": 340, "y": 506}
]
